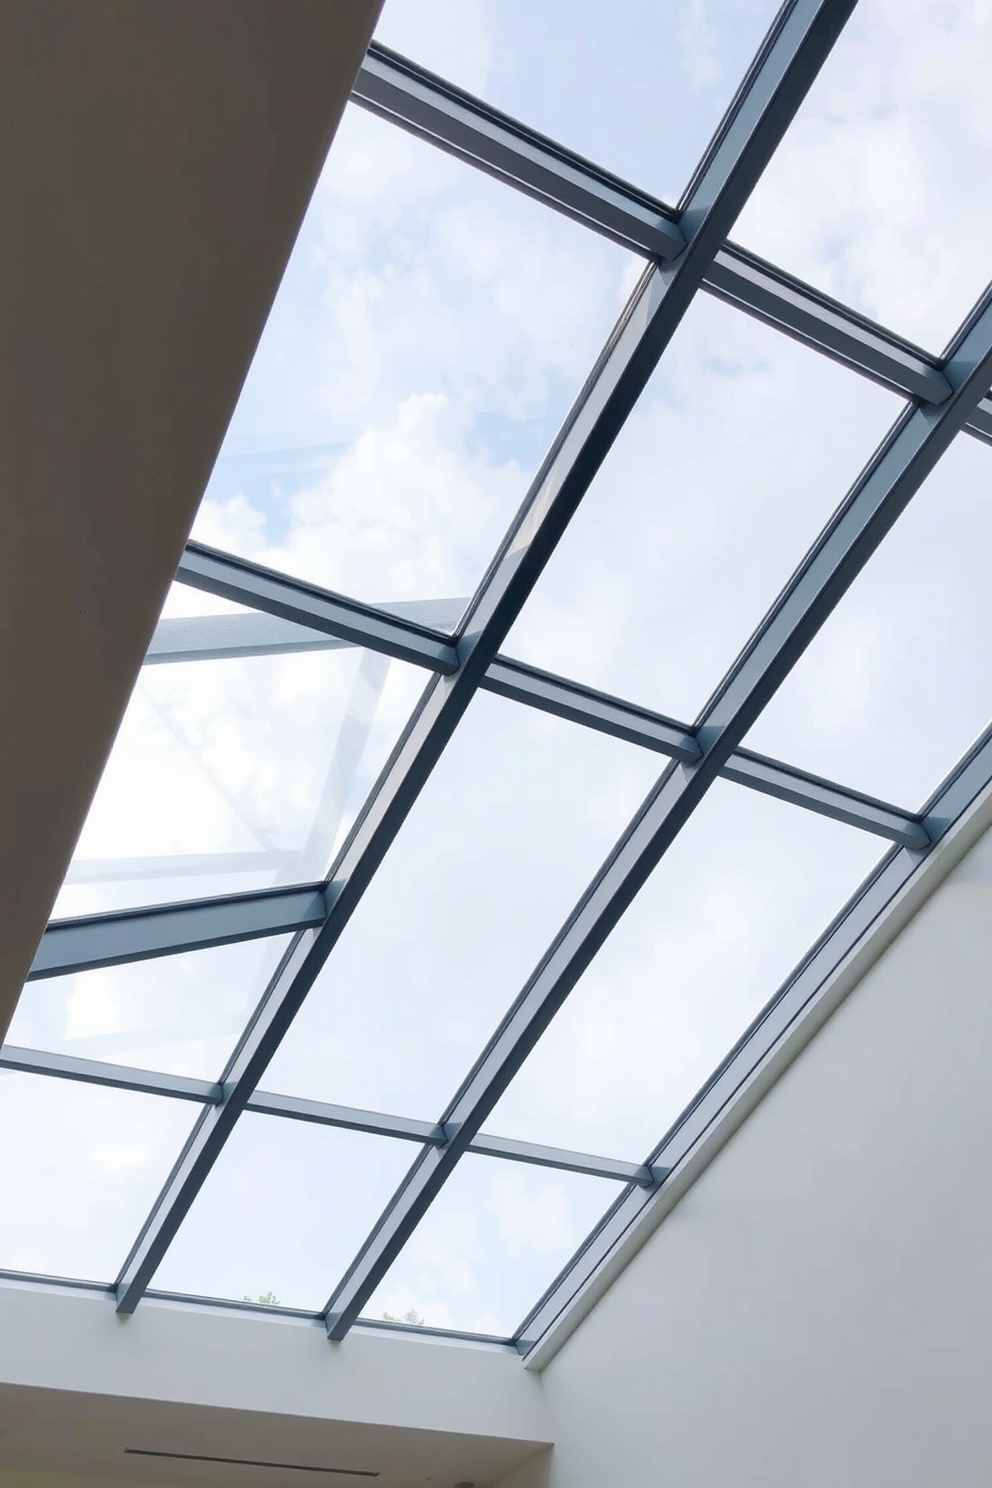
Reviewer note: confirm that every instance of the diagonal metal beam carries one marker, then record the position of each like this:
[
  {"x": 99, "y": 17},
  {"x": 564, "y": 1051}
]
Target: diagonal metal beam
[
  {"x": 414, "y": 99},
  {"x": 915, "y": 443},
  {"x": 801, "y": 38},
  {"x": 346, "y": 619},
  {"x": 85, "y": 943},
  {"x": 808, "y": 984}
]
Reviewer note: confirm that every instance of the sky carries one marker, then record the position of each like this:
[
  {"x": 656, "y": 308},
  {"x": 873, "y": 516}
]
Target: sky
[{"x": 430, "y": 333}]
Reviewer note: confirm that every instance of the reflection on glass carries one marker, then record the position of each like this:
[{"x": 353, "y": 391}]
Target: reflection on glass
[
  {"x": 82, "y": 1173},
  {"x": 894, "y": 688},
  {"x": 234, "y": 773},
  {"x": 733, "y": 906},
  {"x": 740, "y": 449},
  {"x": 178, "y": 1014},
  {"x": 283, "y": 1212},
  {"x": 429, "y": 333},
  {"x": 636, "y": 86},
  {"x": 518, "y": 816},
  {"x": 872, "y": 196},
  {"x": 493, "y": 1240}
]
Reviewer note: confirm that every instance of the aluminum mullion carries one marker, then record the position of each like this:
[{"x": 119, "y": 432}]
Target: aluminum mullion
[
  {"x": 776, "y": 298},
  {"x": 902, "y": 462},
  {"x": 567, "y": 1161},
  {"x": 346, "y": 619},
  {"x": 824, "y": 798},
  {"x": 799, "y": 42},
  {"x": 621, "y": 720},
  {"x": 298, "y": 1108},
  {"x": 115, "y": 1076},
  {"x": 792, "y": 55},
  {"x": 183, "y": 638},
  {"x": 92, "y": 941},
  {"x": 417, "y": 101},
  {"x": 321, "y": 1113},
  {"x": 810, "y": 982},
  {"x": 424, "y": 105},
  {"x": 579, "y": 704}
]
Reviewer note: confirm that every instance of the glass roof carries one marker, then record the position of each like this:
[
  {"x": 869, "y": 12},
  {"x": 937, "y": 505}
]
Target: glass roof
[{"x": 435, "y": 901}]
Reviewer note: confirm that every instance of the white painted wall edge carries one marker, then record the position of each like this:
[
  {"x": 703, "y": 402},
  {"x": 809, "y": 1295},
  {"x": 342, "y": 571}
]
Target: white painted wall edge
[
  {"x": 57, "y": 1339},
  {"x": 910, "y": 899}
]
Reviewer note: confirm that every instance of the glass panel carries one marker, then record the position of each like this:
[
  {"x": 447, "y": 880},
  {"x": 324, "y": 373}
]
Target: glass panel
[
  {"x": 874, "y": 193},
  {"x": 236, "y": 774},
  {"x": 896, "y": 686},
  {"x": 741, "y": 447},
  {"x": 82, "y": 1173},
  {"x": 733, "y": 906},
  {"x": 491, "y": 1243},
  {"x": 178, "y": 1014},
  {"x": 283, "y": 1213},
  {"x": 517, "y": 817},
  {"x": 636, "y": 86},
  {"x": 428, "y": 336}
]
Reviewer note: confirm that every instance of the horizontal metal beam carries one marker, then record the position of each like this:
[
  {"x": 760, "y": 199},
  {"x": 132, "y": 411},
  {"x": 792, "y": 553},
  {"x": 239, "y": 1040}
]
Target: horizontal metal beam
[
  {"x": 778, "y": 299},
  {"x": 621, "y": 720},
  {"x": 803, "y": 989},
  {"x": 114, "y": 1076},
  {"x": 596, "y": 710},
  {"x": 665, "y": 736},
  {"x": 298, "y": 1108},
  {"x": 91, "y": 941},
  {"x": 346, "y": 619},
  {"x": 824, "y": 798},
  {"x": 567, "y": 1161},
  {"x": 349, "y": 1118},
  {"x": 413, "y": 98},
  {"x": 763, "y": 107},
  {"x": 227, "y": 637},
  {"x": 424, "y": 105}
]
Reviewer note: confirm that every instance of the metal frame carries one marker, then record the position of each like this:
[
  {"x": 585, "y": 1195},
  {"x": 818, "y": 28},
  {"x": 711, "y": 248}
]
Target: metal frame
[{"x": 458, "y": 647}]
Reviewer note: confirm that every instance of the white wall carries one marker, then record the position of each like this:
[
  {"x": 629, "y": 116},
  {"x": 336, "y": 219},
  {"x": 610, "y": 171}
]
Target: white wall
[{"x": 817, "y": 1310}]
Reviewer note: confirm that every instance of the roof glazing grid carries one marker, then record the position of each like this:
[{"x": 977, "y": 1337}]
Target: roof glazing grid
[{"x": 253, "y": 675}]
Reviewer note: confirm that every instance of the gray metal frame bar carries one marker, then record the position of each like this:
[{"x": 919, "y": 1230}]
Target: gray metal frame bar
[
  {"x": 298, "y": 1108},
  {"x": 425, "y": 105},
  {"x": 900, "y": 465},
  {"x": 793, "y": 53},
  {"x": 318, "y": 609},
  {"x": 834, "y": 949},
  {"x": 91, "y": 941},
  {"x": 521, "y": 683},
  {"x": 412, "y": 98},
  {"x": 114, "y": 1076}
]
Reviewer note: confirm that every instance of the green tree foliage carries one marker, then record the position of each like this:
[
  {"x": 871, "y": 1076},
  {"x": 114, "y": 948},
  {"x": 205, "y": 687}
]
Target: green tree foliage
[{"x": 411, "y": 1316}]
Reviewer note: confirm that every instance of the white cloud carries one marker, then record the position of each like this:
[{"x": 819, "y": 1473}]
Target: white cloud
[{"x": 875, "y": 194}]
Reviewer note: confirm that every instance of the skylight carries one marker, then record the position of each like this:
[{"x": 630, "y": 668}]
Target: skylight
[{"x": 434, "y": 902}]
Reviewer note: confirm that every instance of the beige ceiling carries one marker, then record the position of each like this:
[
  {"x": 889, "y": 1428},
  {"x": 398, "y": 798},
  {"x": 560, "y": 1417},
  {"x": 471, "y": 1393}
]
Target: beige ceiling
[{"x": 157, "y": 159}]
